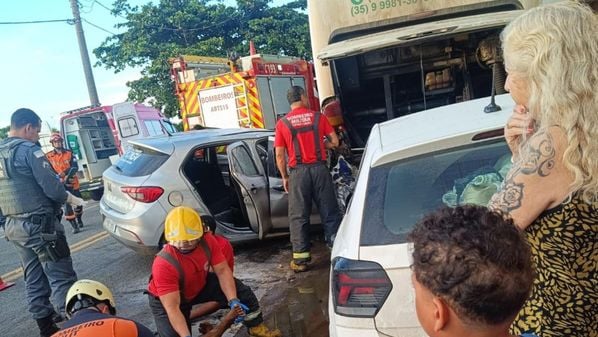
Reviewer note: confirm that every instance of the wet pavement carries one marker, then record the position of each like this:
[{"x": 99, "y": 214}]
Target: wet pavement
[{"x": 295, "y": 303}]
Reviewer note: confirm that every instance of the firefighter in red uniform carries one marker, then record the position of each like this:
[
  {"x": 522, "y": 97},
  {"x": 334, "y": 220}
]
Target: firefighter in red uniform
[
  {"x": 304, "y": 136},
  {"x": 64, "y": 162},
  {"x": 181, "y": 278},
  {"x": 207, "y": 308},
  {"x": 91, "y": 309}
]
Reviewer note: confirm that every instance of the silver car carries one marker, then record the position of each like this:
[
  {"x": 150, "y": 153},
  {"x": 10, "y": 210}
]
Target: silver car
[{"x": 228, "y": 174}]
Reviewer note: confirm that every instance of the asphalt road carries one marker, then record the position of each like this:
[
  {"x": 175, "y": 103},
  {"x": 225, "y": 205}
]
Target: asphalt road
[{"x": 261, "y": 265}]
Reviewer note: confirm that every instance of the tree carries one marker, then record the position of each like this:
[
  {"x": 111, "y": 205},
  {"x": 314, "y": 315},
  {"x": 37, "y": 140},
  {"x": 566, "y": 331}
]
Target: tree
[
  {"x": 4, "y": 132},
  {"x": 155, "y": 33}
]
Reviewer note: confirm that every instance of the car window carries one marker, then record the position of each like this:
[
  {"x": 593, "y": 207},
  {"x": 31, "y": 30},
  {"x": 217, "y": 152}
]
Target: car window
[
  {"x": 243, "y": 162},
  {"x": 128, "y": 127},
  {"x": 154, "y": 128},
  {"x": 265, "y": 149},
  {"x": 400, "y": 193},
  {"x": 139, "y": 161}
]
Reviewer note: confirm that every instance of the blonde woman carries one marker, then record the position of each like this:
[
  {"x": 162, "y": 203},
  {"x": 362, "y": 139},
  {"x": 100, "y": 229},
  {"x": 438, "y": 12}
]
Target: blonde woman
[{"x": 551, "y": 192}]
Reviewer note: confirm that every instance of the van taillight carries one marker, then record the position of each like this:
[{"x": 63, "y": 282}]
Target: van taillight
[
  {"x": 143, "y": 194},
  {"x": 359, "y": 288}
]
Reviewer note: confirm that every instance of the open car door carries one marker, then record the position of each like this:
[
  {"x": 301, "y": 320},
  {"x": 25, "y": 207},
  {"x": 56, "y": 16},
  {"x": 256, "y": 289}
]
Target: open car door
[{"x": 253, "y": 185}]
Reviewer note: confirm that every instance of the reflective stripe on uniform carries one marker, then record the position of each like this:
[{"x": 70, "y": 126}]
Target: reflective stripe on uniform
[
  {"x": 252, "y": 315},
  {"x": 108, "y": 327},
  {"x": 304, "y": 255}
]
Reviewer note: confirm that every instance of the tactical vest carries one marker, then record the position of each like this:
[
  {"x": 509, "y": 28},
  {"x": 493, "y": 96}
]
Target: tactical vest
[
  {"x": 19, "y": 194},
  {"x": 314, "y": 128}
]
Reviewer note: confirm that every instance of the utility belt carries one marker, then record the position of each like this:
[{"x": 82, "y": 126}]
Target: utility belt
[
  {"x": 55, "y": 246},
  {"x": 46, "y": 221}
]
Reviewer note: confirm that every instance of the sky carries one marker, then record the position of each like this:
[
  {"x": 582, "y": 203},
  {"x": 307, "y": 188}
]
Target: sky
[{"x": 40, "y": 64}]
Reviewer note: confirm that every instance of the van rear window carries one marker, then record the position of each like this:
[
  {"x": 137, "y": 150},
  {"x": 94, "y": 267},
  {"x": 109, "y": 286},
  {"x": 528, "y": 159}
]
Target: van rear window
[{"x": 139, "y": 161}]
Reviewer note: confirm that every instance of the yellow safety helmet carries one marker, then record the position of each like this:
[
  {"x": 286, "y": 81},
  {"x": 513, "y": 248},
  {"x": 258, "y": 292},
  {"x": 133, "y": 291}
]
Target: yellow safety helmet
[
  {"x": 183, "y": 224},
  {"x": 88, "y": 293}
]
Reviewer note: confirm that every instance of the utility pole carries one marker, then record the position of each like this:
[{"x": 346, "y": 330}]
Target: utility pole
[{"x": 91, "y": 86}]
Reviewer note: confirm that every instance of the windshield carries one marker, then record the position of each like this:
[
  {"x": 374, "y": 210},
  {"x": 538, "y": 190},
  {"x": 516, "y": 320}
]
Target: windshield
[
  {"x": 139, "y": 161},
  {"x": 400, "y": 193},
  {"x": 168, "y": 126}
]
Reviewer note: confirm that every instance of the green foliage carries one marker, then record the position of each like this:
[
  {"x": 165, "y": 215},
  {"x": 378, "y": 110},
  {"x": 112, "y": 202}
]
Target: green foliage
[
  {"x": 155, "y": 33},
  {"x": 4, "y": 132}
]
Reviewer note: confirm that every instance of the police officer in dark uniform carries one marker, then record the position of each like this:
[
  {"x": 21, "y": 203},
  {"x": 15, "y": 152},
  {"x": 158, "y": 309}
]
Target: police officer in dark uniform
[
  {"x": 305, "y": 135},
  {"x": 30, "y": 198}
]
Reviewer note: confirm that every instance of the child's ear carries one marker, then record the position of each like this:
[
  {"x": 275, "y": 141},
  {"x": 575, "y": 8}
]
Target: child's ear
[{"x": 441, "y": 313}]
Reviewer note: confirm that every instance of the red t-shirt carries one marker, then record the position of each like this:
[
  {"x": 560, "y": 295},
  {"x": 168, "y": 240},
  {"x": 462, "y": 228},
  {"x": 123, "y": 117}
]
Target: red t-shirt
[
  {"x": 301, "y": 117},
  {"x": 165, "y": 278},
  {"x": 227, "y": 249}
]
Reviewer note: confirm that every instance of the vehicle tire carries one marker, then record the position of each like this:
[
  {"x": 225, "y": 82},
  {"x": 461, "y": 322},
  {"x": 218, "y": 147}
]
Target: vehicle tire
[{"x": 97, "y": 194}]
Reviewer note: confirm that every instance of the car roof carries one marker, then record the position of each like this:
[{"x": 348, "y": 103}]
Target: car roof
[
  {"x": 435, "y": 126},
  {"x": 188, "y": 139}
]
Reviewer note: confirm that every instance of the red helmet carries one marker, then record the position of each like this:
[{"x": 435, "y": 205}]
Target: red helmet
[{"x": 56, "y": 137}]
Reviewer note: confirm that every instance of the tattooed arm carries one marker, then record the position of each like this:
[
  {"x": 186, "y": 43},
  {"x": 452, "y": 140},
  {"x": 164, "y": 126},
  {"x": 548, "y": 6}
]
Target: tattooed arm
[{"x": 536, "y": 182}]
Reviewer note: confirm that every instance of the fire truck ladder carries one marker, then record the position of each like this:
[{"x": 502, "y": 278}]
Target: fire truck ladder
[{"x": 243, "y": 113}]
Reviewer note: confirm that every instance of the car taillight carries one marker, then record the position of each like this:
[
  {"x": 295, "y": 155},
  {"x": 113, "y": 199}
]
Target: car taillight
[
  {"x": 143, "y": 194},
  {"x": 359, "y": 288}
]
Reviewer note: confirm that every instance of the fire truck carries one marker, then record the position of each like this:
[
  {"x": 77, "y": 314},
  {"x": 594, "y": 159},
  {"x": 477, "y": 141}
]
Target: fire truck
[{"x": 247, "y": 92}]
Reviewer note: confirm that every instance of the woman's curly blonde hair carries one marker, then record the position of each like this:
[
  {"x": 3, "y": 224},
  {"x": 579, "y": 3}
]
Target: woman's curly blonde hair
[{"x": 555, "y": 47}]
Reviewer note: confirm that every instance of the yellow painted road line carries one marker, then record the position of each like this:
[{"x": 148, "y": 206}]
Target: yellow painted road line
[{"x": 17, "y": 273}]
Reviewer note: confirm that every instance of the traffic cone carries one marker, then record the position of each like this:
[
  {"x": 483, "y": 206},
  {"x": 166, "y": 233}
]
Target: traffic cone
[{"x": 5, "y": 285}]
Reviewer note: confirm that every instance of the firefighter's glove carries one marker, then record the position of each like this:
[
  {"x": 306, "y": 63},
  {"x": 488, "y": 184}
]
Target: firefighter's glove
[
  {"x": 234, "y": 303},
  {"x": 75, "y": 201}
]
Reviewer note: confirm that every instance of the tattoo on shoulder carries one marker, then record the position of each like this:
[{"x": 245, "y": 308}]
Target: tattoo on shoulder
[
  {"x": 509, "y": 198},
  {"x": 540, "y": 158}
]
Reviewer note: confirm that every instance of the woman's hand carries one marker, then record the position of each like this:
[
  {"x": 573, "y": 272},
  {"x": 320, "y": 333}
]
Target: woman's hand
[{"x": 518, "y": 125}]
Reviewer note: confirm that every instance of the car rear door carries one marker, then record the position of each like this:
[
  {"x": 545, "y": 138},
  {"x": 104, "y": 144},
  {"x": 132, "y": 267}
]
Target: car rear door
[{"x": 253, "y": 184}]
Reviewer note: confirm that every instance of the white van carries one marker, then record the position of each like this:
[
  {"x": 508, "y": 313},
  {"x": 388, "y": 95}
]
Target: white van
[{"x": 95, "y": 134}]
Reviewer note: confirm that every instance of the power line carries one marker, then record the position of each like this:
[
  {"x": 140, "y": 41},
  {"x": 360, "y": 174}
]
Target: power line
[
  {"x": 102, "y": 5},
  {"x": 98, "y": 27},
  {"x": 69, "y": 21}
]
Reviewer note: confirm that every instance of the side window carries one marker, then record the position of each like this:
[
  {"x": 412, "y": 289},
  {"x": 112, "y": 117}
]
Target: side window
[
  {"x": 128, "y": 127},
  {"x": 243, "y": 162},
  {"x": 153, "y": 127},
  {"x": 271, "y": 160}
]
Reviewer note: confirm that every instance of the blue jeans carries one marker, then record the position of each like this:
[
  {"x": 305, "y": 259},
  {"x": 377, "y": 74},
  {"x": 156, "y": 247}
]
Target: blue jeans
[{"x": 43, "y": 278}]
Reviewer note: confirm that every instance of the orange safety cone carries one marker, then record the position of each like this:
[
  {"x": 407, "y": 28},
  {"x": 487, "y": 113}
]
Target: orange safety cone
[{"x": 5, "y": 285}]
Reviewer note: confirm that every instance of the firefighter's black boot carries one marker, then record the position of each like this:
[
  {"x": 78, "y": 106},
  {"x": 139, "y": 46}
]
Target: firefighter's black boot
[
  {"x": 46, "y": 326},
  {"x": 75, "y": 226}
]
